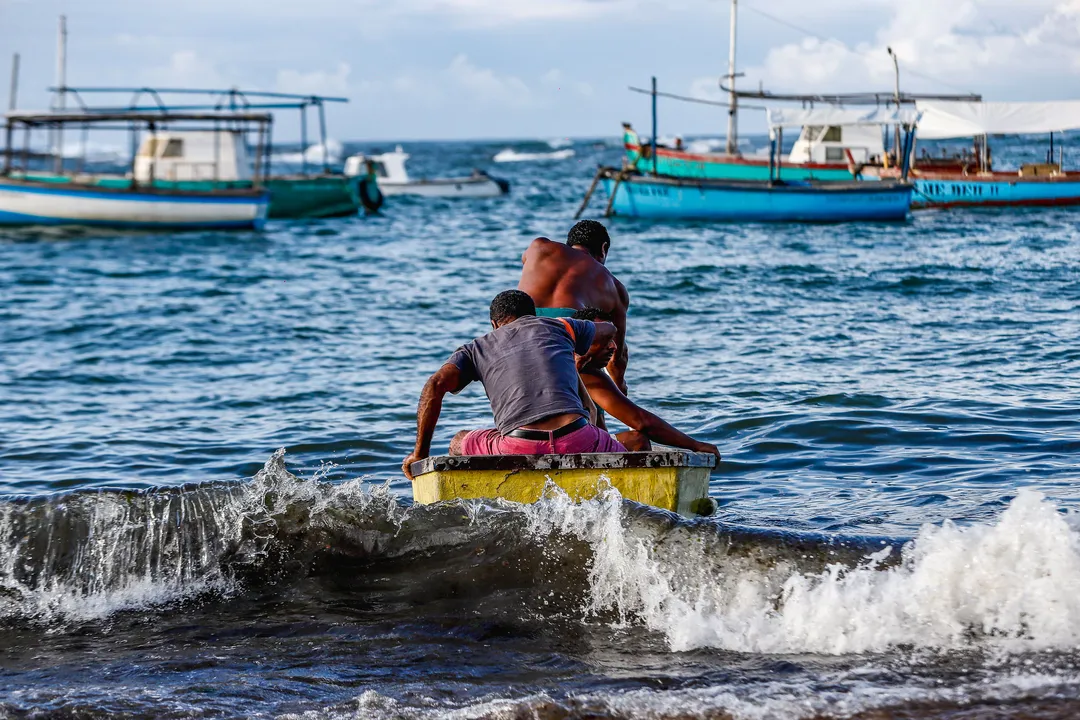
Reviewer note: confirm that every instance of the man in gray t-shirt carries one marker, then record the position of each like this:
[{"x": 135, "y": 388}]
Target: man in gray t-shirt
[{"x": 528, "y": 367}]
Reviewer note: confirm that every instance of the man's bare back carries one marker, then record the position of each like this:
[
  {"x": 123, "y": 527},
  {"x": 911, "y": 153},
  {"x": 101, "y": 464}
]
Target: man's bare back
[{"x": 574, "y": 277}]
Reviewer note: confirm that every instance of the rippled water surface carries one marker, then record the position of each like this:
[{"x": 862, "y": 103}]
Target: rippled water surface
[{"x": 897, "y": 406}]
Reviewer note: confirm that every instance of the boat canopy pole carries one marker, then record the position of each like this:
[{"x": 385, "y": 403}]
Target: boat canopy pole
[
  {"x": 909, "y": 135},
  {"x": 1050, "y": 155},
  {"x": 653, "y": 126},
  {"x": 772, "y": 155},
  {"x": 303, "y": 139},
  {"x": 269, "y": 146},
  {"x": 733, "y": 98},
  {"x": 322, "y": 134},
  {"x": 779, "y": 151},
  {"x": 9, "y": 132}
]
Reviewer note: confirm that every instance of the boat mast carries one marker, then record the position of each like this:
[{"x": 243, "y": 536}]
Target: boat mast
[
  {"x": 896, "y": 76},
  {"x": 733, "y": 100},
  {"x": 61, "y": 89},
  {"x": 13, "y": 95}
]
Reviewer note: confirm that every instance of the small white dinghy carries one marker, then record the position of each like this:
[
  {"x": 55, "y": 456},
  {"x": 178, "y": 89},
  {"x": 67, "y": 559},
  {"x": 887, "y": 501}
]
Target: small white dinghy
[{"x": 393, "y": 179}]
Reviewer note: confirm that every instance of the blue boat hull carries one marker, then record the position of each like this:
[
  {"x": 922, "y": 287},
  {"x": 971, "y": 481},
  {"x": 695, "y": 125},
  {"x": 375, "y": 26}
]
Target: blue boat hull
[
  {"x": 27, "y": 202},
  {"x": 995, "y": 191},
  {"x": 664, "y": 198}
]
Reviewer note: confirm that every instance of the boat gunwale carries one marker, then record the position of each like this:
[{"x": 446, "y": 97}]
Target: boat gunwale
[
  {"x": 725, "y": 159},
  {"x": 883, "y": 186},
  {"x": 574, "y": 461},
  {"x": 129, "y": 193}
]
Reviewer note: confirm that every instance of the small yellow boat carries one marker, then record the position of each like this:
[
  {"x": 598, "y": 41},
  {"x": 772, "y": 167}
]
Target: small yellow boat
[{"x": 673, "y": 480}]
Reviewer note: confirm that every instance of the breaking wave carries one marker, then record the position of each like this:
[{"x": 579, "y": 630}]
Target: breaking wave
[
  {"x": 511, "y": 155},
  {"x": 1012, "y": 585}
]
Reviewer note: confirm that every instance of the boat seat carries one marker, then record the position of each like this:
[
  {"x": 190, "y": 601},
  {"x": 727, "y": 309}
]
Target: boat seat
[{"x": 1039, "y": 169}]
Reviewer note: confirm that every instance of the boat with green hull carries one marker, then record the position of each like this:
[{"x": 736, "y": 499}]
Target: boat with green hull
[{"x": 314, "y": 196}]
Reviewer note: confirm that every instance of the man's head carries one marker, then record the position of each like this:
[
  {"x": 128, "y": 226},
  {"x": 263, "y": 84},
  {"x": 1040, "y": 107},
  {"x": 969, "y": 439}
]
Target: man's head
[
  {"x": 592, "y": 314},
  {"x": 590, "y": 236},
  {"x": 509, "y": 305}
]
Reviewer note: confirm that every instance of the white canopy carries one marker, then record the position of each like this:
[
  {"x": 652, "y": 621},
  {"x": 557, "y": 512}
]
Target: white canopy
[
  {"x": 832, "y": 115},
  {"x": 950, "y": 119}
]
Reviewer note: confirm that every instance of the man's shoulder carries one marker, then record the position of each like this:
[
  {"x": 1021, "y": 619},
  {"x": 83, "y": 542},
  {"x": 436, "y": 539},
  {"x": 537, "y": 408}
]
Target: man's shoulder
[{"x": 543, "y": 245}]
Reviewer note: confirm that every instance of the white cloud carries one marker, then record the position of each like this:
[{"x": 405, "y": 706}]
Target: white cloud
[
  {"x": 941, "y": 46},
  {"x": 489, "y": 13},
  {"x": 486, "y": 85},
  {"x": 316, "y": 82},
  {"x": 186, "y": 68}
]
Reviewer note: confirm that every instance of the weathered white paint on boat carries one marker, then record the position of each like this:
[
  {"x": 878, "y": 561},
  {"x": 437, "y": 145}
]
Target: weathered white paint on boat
[{"x": 28, "y": 203}]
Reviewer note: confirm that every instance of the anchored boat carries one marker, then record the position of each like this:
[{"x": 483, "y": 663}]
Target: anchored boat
[
  {"x": 673, "y": 480},
  {"x": 72, "y": 196},
  {"x": 393, "y": 178},
  {"x": 776, "y": 199},
  {"x": 310, "y": 188},
  {"x": 972, "y": 181}
]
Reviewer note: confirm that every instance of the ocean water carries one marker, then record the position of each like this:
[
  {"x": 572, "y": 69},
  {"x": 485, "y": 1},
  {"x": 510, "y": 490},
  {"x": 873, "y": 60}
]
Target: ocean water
[{"x": 202, "y": 512}]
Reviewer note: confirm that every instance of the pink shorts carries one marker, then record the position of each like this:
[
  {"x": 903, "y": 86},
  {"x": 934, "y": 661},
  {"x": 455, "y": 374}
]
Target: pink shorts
[{"x": 589, "y": 439}]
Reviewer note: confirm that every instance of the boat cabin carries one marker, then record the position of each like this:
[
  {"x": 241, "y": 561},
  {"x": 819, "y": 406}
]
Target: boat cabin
[
  {"x": 193, "y": 155},
  {"x": 389, "y": 167},
  {"x": 819, "y": 144}
]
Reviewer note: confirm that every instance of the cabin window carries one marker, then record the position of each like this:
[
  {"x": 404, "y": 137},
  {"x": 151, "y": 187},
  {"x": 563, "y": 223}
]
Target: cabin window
[
  {"x": 812, "y": 131},
  {"x": 380, "y": 169},
  {"x": 834, "y": 154},
  {"x": 833, "y": 134},
  {"x": 173, "y": 148}
]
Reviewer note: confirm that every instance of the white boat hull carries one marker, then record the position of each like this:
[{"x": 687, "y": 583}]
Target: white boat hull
[
  {"x": 39, "y": 204},
  {"x": 445, "y": 187}
]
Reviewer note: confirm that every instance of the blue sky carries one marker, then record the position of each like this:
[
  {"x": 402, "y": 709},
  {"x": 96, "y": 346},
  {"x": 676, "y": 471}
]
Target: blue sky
[{"x": 433, "y": 69}]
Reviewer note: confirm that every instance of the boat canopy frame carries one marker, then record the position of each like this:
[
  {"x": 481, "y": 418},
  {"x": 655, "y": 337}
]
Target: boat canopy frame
[
  {"x": 241, "y": 122},
  {"x": 232, "y": 99}
]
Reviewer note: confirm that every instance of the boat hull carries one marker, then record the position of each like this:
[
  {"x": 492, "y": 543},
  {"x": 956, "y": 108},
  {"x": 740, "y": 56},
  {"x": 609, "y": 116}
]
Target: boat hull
[
  {"x": 663, "y": 198},
  {"x": 958, "y": 191},
  {"x": 676, "y": 481},
  {"x": 313, "y": 196},
  {"x": 32, "y": 203},
  {"x": 447, "y": 187},
  {"x": 717, "y": 166}
]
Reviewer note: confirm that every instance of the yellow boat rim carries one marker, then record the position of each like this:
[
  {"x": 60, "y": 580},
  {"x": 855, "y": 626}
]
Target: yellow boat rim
[{"x": 673, "y": 480}]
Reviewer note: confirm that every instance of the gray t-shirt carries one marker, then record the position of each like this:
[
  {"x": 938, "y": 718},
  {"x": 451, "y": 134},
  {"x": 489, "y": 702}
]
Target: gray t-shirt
[{"x": 527, "y": 368}]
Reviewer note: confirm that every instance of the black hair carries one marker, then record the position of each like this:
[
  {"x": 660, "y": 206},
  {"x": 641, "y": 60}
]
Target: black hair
[
  {"x": 510, "y": 305},
  {"x": 591, "y": 313},
  {"x": 590, "y": 235}
]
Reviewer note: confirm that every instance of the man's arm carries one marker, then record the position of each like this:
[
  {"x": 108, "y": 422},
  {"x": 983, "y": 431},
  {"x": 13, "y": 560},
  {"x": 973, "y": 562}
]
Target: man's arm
[
  {"x": 616, "y": 367},
  {"x": 602, "y": 344},
  {"x": 610, "y": 398},
  {"x": 446, "y": 379}
]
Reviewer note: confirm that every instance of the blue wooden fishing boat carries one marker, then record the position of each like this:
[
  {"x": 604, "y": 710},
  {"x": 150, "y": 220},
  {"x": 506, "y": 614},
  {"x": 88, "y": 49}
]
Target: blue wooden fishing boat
[
  {"x": 670, "y": 198},
  {"x": 974, "y": 182},
  {"x": 777, "y": 199},
  {"x": 64, "y": 195}
]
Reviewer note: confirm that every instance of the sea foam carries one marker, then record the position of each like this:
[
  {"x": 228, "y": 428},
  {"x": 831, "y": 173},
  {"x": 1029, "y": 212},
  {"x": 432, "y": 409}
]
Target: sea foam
[{"x": 1013, "y": 584}]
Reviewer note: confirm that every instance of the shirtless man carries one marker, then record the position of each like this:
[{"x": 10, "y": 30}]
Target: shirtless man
[
  {"x": 565, "y": 278},
  {"x": 644, "y": 426}
]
